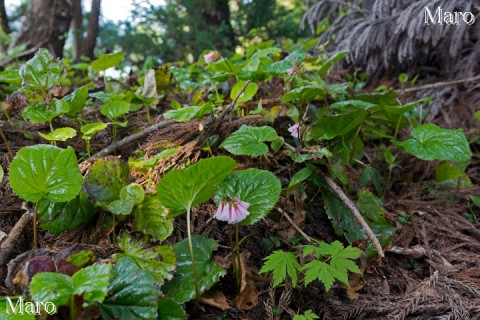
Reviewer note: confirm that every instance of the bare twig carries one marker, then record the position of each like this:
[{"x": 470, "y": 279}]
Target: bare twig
[
  {"x": 11, "y": 242},
  {"x": 303, "y": 234},
  {"x": 438, "y": 84},
  {"x": 127, "y": 140},
  {"x": 356, "y": 214}
]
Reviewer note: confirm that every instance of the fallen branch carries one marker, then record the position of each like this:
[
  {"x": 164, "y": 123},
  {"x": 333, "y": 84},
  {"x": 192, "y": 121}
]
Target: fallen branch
[
  {"x": 303, "y": 234},
  {"x": 127, "y": 140},
  {"x": 356, "y": 214},
  {"x": 12, "y": 240},
  {"x": 437, "y": 85}
]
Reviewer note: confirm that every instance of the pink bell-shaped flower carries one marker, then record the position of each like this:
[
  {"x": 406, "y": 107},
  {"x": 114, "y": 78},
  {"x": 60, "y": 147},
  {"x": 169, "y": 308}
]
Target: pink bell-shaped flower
[
  {"x": 232, "y": 211},
  {"x": 212, "y": 56},
  {"x": 295, "y": 130}
]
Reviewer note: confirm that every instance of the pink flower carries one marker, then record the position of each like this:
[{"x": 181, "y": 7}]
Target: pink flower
[
  {"x": 232, "y": 211},
  {"x": 212, "y": 56},
  {"x": 292, "y": 70},
  {"x": 295, "y": 130}
]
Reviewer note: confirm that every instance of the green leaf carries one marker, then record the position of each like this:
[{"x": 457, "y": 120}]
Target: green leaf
[
  {"x": 114, "y": 109},
  {"x": 308, "y": 315},
  {"x": 90, "y": 129},
  {"x": 403, "y": 77},
  {"x": 371, "y": 174},
  {"x": 60, "y": 134},
  {"x": 180, "y": 190},
  {"x": 168, "y": 309},
  {"x": 42, "y": 70},
  {"x": 1, "y": 173},
  {"x": 151, "y": 218},
  {"x": 105, "y": 179},
  {"x": 53, "y": 287},
  {"x": 106, "y": 61},
  {"x": 259, "y": 188},
  {"x": 430, "y": 142},
  {"x": 44, "y": 171},
  {"x": 247, "y": 95},
  {"x": 182, "y": 287},
  {"x": 328, "y": 63},
  {"x": 301, "y": 175},
  {"x": 329, "y": 127},
  {"x": 131, "y": 294},
  {"x": 40, "y": 113},
  {"x": 249, "y": 140},
  {"x": 159, "y": 260},
  {"x": 281, "y": 264},
  {"x": 57, "y": 217},
  {"x": 77, "y": 99},
  {"x": 447, "y": 172},
  {"x": 7, "y": 311},
  {"x": 92, "y": 282},
  {"x": 143, "y": 165},
  {"x": 183, "y": 114},
  {"x": 318, "y": 270}
]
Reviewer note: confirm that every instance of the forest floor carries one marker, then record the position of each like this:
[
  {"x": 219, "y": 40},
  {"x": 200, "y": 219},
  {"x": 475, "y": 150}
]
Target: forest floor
[{"x": 431, "y": 270}]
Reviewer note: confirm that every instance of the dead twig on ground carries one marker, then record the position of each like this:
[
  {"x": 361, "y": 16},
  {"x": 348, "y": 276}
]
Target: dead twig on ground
[
  {"x": 356, "y": 214},
  {"x": 11, "y": 241},
  {"x": 300, "y": 231}
]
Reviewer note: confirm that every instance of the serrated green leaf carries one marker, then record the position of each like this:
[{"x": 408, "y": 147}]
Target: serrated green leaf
[
  {"x": 182, "y": 287},
  {"x": 281, "y": 264},
  {"x": 159, "y": 260},
  {"x": 42, "y": 70},
  {"x": 329, "y": 127},
  {"x": 77, "y": 99},
  {"x": 429, "y": 142},
  {"x": 151, "y": 218},
  {"x": 115, "y": 109},
  {"x": 44, "y": 171},
  {"x": 105, "y": 179},
  {"x": 90, "y": 129},
  {"x": 106, "y": 61},
  {"x": 168, "y": 309},
  {"x": 92, "y": 282},
  {"x": 183, "y": 189},
  {"x": 131, "y": 293},
  {"x": 318, "y": 270},
  {"x": 249, "y": 140},
  {"x": 450, "y": 173},
  {"x": 60, "y": 134},
  {"x": 259, "y": 188},
  {"x": 57, "y": 217},
  {"x": 183, "y": 114},
  {"x": 247, "y": 95},
  {"x": 53, "y": 287}
]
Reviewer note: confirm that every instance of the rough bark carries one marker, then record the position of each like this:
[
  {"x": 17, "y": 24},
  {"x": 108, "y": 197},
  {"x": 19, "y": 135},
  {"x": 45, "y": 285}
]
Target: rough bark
[
  {"x": 45, "y": 26},
  {"x": 77, "y": 29},
  {"x": 92, "y": 33}
]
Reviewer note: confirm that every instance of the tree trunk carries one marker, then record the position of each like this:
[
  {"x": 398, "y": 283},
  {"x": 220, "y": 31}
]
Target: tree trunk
[
  {"x": 77, "y": 30},
  {"x": 3, "y": 24},
  {"x": 45, "y": 26},
  {"x": 217, "y": 15},
  {"x": 92, "y": 33}
]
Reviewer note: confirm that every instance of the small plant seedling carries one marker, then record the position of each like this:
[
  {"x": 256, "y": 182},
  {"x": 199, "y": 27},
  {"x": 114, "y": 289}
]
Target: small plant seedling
[
  {"x": 113, "y": 110},
  {"x": 45, "y": 172}
]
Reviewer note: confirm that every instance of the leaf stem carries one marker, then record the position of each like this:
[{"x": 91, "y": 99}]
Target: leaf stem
[
  {"x": 35, "y": 216},
  {"x": 192, "y": 257},
  {"x": 238, "y": 273},
  {"x": 72, "y": 308},
  {"x": 5, "y": 140}
]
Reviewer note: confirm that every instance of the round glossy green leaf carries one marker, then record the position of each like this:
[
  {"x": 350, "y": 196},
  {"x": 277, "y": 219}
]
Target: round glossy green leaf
[
  {"x": 60, "y": 134},
  {"x": 114, "y": 109},
  {"x": 151, "y": 218},
  {"x": 247, "y": 95},
  {"x": 429, "y": 142},
  {"x": 42, "y": 70},
  {"x": 182, "y": 115},
  {"x": 259, "y": 188},
  {"x": 44, "y": 171},
  {"x": 105, "y": 179},
  {"x": 131, "y": 294},
  {"x": 182, "y": 189},
  {"x": 57, "y": 217},
  {"x": 249, "y": 140},
  {"x": 182, "y": 287}
]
